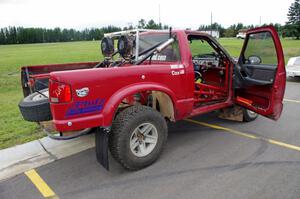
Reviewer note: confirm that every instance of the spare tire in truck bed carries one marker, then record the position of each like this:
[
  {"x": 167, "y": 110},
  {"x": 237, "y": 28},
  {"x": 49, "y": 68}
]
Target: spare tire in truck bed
[{"x": 36, "y": 107}]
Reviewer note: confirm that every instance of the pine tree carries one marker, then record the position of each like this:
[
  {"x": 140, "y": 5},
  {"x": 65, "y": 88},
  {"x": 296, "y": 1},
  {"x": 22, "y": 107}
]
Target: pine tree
[
  {"x": 2, "y": 37},
  {"x": 293, "y": 23}
]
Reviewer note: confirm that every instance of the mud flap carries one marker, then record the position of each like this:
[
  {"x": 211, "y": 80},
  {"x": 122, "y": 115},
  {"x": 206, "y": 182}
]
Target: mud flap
[{"x": 101, "y": 141}]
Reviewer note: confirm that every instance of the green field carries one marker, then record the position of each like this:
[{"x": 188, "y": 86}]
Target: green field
[{"x": 14, "y": 130}]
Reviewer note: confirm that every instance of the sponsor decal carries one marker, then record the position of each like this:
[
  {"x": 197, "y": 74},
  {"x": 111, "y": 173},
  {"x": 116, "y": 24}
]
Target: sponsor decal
[
  {"x": 177, "y": 66},
  {"x": 82, "y": 92},
  {"x": 86, "y": 106},
  {"x": 159, "y": 57},
  {"x": 156, "y": 57},
  {"x": 180, "y": 72},
  {"x": 177, "y": 72}
]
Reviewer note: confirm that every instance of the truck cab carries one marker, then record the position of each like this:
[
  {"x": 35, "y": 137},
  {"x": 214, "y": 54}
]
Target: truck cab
[{"x": 151, "y": 78}]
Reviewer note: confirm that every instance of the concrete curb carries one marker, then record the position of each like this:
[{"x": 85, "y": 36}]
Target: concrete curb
[{"x": 21, "y": 158}]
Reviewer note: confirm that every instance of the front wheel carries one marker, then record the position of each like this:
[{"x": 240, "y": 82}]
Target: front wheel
[
  {"x": 137, "y": 137},
  {"x": 249, "y": 115}
]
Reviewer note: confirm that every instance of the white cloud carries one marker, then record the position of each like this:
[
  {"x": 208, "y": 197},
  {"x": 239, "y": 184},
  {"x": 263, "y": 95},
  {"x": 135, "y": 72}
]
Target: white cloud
[{"x": 180, "y": 14}]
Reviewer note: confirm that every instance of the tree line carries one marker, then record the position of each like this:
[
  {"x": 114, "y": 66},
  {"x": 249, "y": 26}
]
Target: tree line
[
  {"x": 21, "y": 35},
  {"x": 233, "y": 30}
]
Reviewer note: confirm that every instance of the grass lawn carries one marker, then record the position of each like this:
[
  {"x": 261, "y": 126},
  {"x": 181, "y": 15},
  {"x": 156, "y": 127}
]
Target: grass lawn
[
  {"x": 291, "y": 47},
  {"x": 14, "y": 130}
]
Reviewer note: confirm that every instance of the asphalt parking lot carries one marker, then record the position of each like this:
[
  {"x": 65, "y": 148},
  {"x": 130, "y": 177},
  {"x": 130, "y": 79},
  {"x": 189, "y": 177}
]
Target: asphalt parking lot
[{"x": 204, "y": 158}]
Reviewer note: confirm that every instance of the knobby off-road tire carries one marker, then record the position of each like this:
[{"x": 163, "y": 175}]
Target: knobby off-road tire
[
  {"x": 36, "y": 107},
  {"x": 138, "y": 126},
  {"x": 249, "y": 116}
]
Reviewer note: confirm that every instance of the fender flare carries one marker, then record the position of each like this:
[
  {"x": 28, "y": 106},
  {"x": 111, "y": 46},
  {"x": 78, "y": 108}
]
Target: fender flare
[{"x": 113, "y": 102}]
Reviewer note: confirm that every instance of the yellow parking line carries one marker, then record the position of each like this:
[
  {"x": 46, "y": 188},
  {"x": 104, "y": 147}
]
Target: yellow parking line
[
  {"x": 41, "y": 185},
  {"x": 282, "y": 144},
  {"x": 271, "y": 141},
  {"x": 290, "y": 100}
]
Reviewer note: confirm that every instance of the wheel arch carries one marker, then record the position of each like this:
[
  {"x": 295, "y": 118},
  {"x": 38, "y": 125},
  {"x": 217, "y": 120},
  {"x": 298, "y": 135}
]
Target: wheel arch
[{"x": 163, "y": 95}]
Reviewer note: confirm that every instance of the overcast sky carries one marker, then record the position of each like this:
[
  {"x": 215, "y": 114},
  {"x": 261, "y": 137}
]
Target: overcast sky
[{"x": 80, "y": 14}]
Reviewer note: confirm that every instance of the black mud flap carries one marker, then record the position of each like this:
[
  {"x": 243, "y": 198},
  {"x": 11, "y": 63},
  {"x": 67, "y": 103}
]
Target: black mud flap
[{"x": 101, "y": 141}]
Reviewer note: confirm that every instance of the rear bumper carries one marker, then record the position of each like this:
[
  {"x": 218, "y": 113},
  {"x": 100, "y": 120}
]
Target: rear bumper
[{"x": 78, "y": 123}]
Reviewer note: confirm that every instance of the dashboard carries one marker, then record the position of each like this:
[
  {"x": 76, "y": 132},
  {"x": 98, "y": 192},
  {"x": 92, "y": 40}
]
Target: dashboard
[{"x": 206, "y": 61}]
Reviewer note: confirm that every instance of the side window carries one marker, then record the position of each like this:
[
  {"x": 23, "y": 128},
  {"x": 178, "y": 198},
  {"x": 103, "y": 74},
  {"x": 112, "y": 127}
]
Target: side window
[
  {"x": 171, "y": 53},
  {"x": 200, "y": 48},
  {"x": 203, "y": 54},
  {"x": 260, "y": 50}
]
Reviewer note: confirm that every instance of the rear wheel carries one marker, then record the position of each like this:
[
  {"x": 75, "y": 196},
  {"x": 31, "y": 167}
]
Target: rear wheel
[
  {"x": 249, "y": 115},
  {"x": 137, "y": 137}
]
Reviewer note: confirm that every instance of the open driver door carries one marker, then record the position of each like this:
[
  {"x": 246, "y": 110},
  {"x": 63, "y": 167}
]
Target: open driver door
[{"x": 259, "y": 76}]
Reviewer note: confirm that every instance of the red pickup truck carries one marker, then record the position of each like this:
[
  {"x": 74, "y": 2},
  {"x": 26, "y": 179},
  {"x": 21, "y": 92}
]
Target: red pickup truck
[{"x": 153, "y": 77}]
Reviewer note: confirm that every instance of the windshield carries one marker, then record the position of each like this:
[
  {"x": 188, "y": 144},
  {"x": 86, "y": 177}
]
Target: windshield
[{"x": 170, "y": 54}]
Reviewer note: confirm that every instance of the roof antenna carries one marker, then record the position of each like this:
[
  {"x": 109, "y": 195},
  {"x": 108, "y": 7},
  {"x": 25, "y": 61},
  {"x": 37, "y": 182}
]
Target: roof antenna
[{"x": 170, "y": 32}]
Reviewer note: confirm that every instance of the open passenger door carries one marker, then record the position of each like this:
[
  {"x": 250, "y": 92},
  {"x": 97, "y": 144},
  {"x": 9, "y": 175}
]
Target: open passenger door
[{"x": 259, "y": 79}]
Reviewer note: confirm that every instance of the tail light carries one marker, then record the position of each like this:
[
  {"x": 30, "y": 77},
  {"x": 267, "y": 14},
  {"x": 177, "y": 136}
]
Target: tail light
[{"x": 59, "y": 92}]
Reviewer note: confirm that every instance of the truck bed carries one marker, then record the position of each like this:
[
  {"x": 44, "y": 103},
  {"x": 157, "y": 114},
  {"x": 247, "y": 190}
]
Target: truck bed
[{"x": 36, "y": 77}]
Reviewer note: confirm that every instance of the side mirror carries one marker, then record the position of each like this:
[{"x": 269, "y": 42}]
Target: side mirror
[{"x": 254, "y": 60}]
